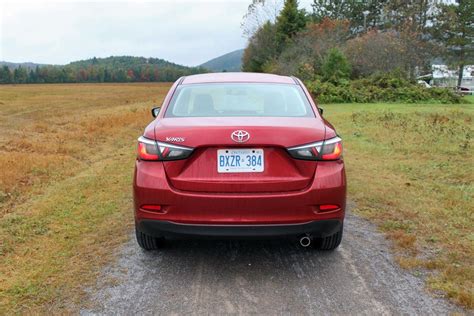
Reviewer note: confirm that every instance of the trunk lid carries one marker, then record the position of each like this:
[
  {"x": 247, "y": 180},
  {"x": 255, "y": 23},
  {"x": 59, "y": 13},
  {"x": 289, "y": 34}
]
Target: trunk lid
[{"x": 199, "y": 172}]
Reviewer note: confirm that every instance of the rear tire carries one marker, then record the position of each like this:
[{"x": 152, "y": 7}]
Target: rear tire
[
  {"x": 331, "y": 242},
  {"x": 148, "y": 242}
]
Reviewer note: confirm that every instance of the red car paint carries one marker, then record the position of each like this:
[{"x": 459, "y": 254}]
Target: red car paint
[{"x": 191, "y": 192}]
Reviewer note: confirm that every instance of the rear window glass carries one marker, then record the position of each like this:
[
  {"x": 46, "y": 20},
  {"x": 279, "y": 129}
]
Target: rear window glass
[{"x": 239, "y": 99}]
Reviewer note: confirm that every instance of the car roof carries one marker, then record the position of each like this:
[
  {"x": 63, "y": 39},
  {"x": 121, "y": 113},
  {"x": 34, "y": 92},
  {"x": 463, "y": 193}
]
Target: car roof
[{"x": 239, "y": 77}]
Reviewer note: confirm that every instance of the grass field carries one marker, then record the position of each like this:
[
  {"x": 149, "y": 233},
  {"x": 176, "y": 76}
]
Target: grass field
[
  {"x": 410, "y": 169},
  {"x": 66, "y": 157}
]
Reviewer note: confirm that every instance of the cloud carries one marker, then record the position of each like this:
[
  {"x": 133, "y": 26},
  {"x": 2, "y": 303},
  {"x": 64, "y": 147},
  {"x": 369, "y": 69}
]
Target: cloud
[{"x": 185, "y": 32}]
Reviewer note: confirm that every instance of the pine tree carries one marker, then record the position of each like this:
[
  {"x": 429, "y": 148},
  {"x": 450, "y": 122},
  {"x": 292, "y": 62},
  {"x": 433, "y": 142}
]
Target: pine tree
[
  {"x": 290, "y": 21},
  {"x": 5, "y": 75}
]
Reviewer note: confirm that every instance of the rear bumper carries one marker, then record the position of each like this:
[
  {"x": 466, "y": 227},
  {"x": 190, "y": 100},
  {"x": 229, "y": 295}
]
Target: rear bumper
[
  {"x": 155, "y": 228},
  {"x": 238, "y": 214}
]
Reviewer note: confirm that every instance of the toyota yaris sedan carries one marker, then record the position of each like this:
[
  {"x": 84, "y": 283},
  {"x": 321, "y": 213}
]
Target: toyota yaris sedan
[{"x": 239, "y": 155}]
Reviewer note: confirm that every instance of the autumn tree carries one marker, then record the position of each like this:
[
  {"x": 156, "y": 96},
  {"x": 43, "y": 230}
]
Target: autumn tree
[
  {"x": 375, "y": 52},
  {"x": 304, "y": 59}
]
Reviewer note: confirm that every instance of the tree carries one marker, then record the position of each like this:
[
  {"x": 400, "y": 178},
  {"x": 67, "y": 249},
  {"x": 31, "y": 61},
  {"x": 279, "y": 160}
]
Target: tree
[
  {"x": 417, "y": 13},
  {"x": 289, "y": 22},
  {"x": 5, "y": 75},
  {"x": 261, "y": 49},
  {"x": 37, "y": 75},
  {"x": 350, "y": 10},
  {"x": 375, "y": 16},
  {"x": 337, "y": 10},
  {"x": 20, "y": 75},
  {"x": 375, "y": 52},
  {"x": 31, "y": 76},
  {"x": 311, "y": 46},
  {"x": 453, "y": 27},
  {"x": 258, "y": 13},
  {"x": 335, "y": 67}
]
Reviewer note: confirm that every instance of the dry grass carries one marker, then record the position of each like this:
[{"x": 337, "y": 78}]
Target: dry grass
[
  {"x": 410, "y": 169},
  {"x": 66, "y": 156}
]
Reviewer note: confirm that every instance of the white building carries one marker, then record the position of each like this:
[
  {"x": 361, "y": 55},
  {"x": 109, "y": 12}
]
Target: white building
[{"x": 445, "y": 77}]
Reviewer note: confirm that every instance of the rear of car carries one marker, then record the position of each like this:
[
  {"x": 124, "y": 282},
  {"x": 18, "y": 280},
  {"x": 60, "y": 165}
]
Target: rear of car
[{"x": 239, "y": 155}]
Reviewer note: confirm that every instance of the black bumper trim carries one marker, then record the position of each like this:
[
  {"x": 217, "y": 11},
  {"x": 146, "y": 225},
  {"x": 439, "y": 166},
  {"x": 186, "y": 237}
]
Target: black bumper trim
[{"x": 322, "y": 228}]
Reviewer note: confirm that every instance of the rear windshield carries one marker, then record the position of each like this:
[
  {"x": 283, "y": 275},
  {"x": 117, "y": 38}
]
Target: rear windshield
[{"x": 239, "y": 99}]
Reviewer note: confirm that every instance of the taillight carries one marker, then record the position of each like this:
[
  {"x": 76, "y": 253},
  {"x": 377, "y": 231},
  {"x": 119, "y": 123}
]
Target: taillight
[
  {"x": 149, "y": 149},
  {"x": 330, "y": 149}
]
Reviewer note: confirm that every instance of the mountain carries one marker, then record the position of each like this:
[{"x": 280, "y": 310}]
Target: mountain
[{"x": 229, "y": 62}]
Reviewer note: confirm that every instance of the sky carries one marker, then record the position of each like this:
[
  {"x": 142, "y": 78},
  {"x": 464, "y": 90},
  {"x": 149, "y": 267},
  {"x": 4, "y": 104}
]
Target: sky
[{"x": 187, "y": 32}]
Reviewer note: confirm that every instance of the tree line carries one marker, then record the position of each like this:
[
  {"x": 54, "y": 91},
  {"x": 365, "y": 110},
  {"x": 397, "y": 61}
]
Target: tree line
[
  {"x": 363, "y": 38},
  {"x": 111, "y": 69}
]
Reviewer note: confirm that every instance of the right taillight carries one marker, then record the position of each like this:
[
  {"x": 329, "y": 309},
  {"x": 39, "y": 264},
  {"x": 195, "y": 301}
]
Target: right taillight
[{"x": 329, "y": 149}]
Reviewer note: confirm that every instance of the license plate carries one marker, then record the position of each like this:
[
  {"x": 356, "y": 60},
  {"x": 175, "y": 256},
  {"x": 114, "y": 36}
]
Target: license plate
[{"x": 240, "y": 160}]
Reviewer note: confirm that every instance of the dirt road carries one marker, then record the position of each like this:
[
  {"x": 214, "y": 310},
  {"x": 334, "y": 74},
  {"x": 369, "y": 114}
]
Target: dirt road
[{"x": 264, "y": 277}]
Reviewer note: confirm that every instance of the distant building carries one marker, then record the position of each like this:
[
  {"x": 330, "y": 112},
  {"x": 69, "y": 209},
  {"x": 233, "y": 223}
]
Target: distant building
[{"x": 445, "y": 77}]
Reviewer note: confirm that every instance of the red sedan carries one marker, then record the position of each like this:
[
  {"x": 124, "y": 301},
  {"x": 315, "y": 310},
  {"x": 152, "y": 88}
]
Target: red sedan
[{"x": 237, "y": 155}]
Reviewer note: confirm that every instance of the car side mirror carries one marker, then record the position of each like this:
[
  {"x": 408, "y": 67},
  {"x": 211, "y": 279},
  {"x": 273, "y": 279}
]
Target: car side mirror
[
  {"x": 155, "y": 111},
  {"x": 321, "y": 111}
]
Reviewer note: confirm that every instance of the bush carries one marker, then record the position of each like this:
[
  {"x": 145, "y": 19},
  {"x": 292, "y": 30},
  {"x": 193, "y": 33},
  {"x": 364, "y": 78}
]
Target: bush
[
  {"x": 446, "y": 95},
  {"x": 379, "y": 88},
  {"x": 335, "y": 67}
]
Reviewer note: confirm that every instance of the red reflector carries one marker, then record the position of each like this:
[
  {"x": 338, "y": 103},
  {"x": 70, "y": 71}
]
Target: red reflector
[
  {"x": 328, "y": 207},
  {"x": 152, "y": 208}
]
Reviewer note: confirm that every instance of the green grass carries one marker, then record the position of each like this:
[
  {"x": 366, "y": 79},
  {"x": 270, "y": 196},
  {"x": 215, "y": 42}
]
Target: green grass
[{"x": 410, "y": 169}]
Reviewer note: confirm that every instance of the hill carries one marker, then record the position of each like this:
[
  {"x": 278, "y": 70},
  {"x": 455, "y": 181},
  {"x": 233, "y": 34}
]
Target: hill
[
  {"x": 125, "y": 62},
  {"x": 109, "y": 69},
  {"x": 229, "y": 62}
]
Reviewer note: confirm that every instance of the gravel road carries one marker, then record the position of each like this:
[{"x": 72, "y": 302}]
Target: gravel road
[{"x": 264, "y": 277}]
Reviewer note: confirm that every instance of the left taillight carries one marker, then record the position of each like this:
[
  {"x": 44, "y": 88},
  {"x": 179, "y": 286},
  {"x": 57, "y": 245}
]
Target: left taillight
[
  {"x": 329, "y": 149},
  {"x": 149, "y": 149}
]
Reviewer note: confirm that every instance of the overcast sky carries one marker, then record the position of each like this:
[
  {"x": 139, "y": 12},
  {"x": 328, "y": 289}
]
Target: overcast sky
[{"x": 182, "y": 31}]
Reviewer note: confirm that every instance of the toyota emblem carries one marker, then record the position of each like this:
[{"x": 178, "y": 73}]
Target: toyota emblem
[{"x": 240, "y": 136}]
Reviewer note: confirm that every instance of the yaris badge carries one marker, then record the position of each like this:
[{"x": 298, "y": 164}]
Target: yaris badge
[{"x": 240, "y": 136}]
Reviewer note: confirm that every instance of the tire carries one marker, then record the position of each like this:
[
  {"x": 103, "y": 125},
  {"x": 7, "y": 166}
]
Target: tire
[
  {"x": 331, "y": 242},
  {"x": 148, "y": 242}
]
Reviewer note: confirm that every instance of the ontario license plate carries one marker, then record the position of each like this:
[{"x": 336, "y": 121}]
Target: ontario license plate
[{"x": 240, "y": 160}]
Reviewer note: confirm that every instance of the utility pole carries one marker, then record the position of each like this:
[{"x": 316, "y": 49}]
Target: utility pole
[{"x": 365, "y": 13}]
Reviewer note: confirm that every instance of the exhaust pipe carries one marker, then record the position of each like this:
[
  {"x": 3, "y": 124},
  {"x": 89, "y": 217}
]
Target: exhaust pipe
[{"x": 305, "y": 241}]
